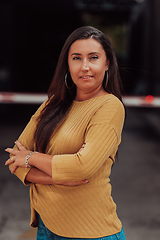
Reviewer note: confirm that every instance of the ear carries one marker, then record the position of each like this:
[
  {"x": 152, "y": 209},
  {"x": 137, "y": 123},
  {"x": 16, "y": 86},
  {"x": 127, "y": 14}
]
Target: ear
[{"x": 107, "y": 65}]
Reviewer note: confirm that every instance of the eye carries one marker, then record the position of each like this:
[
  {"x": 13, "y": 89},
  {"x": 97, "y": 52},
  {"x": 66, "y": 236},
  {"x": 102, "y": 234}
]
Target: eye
[
  {"x": 76, "y": 58},
  {"x": 94, "y": 57}
]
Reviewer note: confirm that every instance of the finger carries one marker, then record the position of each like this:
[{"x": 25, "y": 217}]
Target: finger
[
  {"x": 9, "y": 161},
  {"x": 75, "y": 183},
  {"x": 85, "y": 181},
  {"x": 20, "y": 146},
  {"x": 14, "y": 167},
  {"x": 12, "y": 151},
  {"x": 82, "y": 182},
  {"x": 82, "y": 147}
]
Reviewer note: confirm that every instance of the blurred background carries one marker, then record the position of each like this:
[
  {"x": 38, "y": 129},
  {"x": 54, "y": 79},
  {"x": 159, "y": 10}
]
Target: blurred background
[{"x": 32, "y": 33}]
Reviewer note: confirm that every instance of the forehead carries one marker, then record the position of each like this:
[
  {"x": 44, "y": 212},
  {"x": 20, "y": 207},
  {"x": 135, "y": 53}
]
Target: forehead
[{"x": 86, "y": 46}]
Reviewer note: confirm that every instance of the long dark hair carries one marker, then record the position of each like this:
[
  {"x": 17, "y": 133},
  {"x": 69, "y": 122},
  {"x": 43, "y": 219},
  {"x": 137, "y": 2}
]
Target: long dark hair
[{"x": 60, "y": 98}]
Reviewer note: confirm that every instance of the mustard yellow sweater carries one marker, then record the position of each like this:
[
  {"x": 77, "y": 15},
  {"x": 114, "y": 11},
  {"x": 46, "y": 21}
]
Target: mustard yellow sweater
[{"x": 84, "y": 211}]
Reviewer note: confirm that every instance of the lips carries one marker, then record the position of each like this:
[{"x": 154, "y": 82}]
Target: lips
[{"x": 86, "y": 77}]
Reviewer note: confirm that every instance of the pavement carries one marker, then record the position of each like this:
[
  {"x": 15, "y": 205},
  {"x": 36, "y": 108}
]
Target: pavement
[{"x": 135, "y": 176}]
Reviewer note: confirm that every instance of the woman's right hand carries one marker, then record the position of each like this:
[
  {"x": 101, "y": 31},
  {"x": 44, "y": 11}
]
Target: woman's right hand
[
  {"x": 75, "y": 183},
  {"x": 38, "y": 177}
]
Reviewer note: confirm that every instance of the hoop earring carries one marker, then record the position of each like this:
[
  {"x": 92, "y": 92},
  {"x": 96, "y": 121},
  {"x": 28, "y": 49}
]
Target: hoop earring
[
  {"x": 66, "y": 82},
  {"x": 106, "y": 79}
]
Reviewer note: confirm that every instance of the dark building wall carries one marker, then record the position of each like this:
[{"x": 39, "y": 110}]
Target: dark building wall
[
  {"x": 33, "y": 32},
  {"x": 144, "y": 50}
]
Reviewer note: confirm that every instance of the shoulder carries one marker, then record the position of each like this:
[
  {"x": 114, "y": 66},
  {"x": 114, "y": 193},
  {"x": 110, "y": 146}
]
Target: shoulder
[
  {"x": 110, "y": 106},
  {"x": 111, "y": 101},
  {"x": 110, "y": 112}
]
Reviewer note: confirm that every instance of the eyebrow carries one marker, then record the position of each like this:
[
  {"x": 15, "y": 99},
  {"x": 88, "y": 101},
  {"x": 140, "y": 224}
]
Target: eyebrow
[{"x": 78, "y": 54}]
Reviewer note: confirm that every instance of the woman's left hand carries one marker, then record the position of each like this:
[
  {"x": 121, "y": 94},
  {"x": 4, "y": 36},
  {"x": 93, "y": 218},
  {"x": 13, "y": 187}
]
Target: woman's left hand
[{"x": 19, "y": 156}]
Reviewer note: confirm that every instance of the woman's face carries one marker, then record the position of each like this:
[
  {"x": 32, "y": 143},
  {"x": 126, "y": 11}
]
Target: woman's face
[{"x": 87, "y": 65}]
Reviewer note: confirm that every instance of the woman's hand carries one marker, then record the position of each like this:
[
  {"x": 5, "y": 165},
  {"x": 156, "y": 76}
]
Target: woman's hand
[
  {"x": 18, "y": 156},
  {"x": 38, "y": 177},
  {"x": 35, "y": 175},
  {"x": 82, "y": 147},
  {"x": 75, "y": 183}
]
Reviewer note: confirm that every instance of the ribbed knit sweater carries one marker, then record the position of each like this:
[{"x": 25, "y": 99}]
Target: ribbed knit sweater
[{"x": 87, "y": 210}]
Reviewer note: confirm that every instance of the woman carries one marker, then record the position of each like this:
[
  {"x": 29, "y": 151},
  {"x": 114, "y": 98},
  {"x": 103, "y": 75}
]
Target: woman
[{"x": 75, "y": 134}]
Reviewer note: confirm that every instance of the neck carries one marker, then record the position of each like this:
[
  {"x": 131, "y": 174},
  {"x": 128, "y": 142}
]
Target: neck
[{"x": 82, "y": 96}]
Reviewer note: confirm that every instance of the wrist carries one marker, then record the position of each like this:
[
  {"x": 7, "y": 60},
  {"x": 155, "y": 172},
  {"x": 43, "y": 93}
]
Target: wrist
[{"x": 28, "y": 164}]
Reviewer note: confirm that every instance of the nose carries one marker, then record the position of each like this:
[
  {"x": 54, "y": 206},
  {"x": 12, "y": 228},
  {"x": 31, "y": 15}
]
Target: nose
[{"x": 85, "y": 65}]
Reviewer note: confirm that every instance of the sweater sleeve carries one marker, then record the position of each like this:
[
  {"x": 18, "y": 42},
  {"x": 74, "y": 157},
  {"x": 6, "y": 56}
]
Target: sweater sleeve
[
  {"x": 27, "y": 140},
  {"x": 102, "y": 137}
]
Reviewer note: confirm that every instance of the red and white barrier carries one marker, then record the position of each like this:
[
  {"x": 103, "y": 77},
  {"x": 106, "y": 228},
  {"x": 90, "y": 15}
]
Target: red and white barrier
[
  {"x": 22, "y": 98},
  {"x": 38, "y": 98},
  {"x": 141, "y": 101}
]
